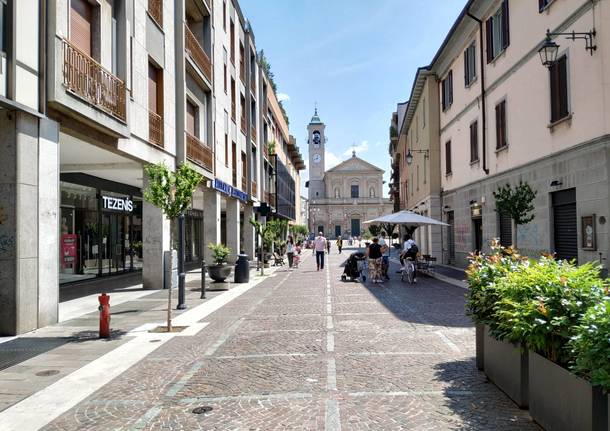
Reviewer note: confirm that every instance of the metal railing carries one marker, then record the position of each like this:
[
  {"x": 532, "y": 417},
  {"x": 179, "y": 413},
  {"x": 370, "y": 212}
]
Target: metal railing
[
  {"x": 253, "y": 85},
  {"x": 155, "y": 10},
  {"x": 244, "y": 184},
  {"x": 199, "y": 153},
  {"x": 253, "y": 133},
  {"x": 254, "y": 188},
  {"x": 87, "y": 78},
  {"x": 196, "y": 52},
  {"x": 155, "y": 129},
  {"x": 242, "y": 122}
]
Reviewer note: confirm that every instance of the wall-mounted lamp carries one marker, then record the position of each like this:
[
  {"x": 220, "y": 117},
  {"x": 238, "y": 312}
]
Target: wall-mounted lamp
[
  {"x": 549, "y": 49},
  {"x": 473, "y": 202},
  {"x": 556, "y": 183},
  {"x": 409, "y": 156}
]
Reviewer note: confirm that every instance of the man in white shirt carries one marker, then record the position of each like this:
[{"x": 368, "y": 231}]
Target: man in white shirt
[
  {"x": 409, "y": 250},
  {"x": 319, "y": 246}
]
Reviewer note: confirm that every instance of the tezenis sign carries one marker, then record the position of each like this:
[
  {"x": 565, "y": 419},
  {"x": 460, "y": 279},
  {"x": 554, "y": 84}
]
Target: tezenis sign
[{"x": 117, "y": 204}]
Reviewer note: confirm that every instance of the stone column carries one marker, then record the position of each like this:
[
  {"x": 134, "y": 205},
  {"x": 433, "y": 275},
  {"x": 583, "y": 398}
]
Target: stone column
[
  {"x": 211, "y": 221},
  {"x": 233, "y": 225},
  {"x": 29, "y": 244},
  {"x": 155, "y": 240},
  {"x": 248, "y": 245}
]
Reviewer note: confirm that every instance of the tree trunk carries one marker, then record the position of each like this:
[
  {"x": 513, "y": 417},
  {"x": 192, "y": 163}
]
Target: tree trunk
[{"x": 513, "y": 232}]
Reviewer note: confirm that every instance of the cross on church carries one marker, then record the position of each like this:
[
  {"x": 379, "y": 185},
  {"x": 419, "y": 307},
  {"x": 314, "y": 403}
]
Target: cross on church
[{"x": 353, "y": 149}]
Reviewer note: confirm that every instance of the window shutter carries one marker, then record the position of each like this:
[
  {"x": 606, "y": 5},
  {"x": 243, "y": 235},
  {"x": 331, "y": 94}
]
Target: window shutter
[
  {"x": 443, "y": 98},
  {"x": 489, "y": 39},
  {"x": 191, "y": 115},
  {"x": 562, "y": 78},
  {"x": 450, "y": 81},
  {"x": 466, "y": 66},
  {"x": 498, "y": 127},
  {"x": 505, "y": 25},
  {"x": 153, "y": 89},
  {"x": 80, "y": 25}
]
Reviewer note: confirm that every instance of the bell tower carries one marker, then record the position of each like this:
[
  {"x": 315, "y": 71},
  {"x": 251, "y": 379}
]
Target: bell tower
[{"x": 317, "y": 145}]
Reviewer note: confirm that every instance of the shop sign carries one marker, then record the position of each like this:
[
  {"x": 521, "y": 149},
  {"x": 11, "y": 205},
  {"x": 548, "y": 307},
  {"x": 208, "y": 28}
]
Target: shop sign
[
  {"x": 230, "y": 190},
  {"x": 117, "y": 204}
]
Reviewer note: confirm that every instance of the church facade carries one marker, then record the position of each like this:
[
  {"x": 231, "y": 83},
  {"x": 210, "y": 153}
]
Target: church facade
[{"x": 341, "y": 199}]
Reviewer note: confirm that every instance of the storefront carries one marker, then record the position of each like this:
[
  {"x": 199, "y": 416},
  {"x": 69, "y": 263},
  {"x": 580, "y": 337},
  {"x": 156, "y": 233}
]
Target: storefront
[{"x": 100, "y": 228}]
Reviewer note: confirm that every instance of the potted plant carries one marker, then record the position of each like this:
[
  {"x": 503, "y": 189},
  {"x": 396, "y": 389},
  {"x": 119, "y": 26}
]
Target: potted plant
[
  {"x": 540, "y": 306},
  {"x": 220, "y": 270}
]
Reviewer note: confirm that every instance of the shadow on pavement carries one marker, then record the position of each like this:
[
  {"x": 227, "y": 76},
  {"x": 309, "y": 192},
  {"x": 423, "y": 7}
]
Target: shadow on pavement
[{"x": 100, "y": 285}]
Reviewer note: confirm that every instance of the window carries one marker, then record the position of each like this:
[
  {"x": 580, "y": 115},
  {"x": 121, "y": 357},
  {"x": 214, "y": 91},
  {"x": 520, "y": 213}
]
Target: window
[
  {"x": 423, "y": 113},
  {"x": 242, "y": 64},
  {"x": 242, "y": 107},
  {"x": 233, "y": 108},
  {"x": 372, "y": 192},
  {"x": 447, "y": 90},
  {"x": 558, "y": 73},
  {"x": 81, "y": 22},
  {"x": 155, "y": 89},
  {"x": 474, "y": 142},
  {"x": 192, "y": 117},
  {"x": 224, "y": 15},
  {"x": 501, "y": 141},
  {"x": 417, "y": 177},
  {"x": 497, "y": 32},
  {"x": 543, "y": 4},
  {"x": 244, "y": 166},
  {"x": 226, "y": 150},
  {"x": 355, "y": 191},
  {"x": 470, "y": 69},
  {"x": 417, "y": 128},
  {"x": 232, "y": 37},
  {"x": 225, "y": 71},
  {"x": 448, "y": 158}
]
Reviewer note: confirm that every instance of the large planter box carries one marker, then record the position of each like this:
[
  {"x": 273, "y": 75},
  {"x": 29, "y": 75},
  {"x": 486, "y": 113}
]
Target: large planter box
[
  {"x": 480, "y": 345},
  {"x": 506, "y": 366},
  {"x": 562, "y": 401}
]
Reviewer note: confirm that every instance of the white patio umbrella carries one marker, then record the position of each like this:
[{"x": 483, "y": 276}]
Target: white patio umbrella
[{"x": 407, "y": 218}]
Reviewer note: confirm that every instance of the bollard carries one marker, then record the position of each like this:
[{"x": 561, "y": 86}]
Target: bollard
[
  {"x": 202, "y": 279},
  {"x": 104, "y": 315}
]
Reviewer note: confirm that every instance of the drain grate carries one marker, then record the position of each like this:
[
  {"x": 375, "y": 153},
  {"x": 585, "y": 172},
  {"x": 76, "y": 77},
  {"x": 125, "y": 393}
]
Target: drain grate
[
  {"x": 202, "y": 410},
  {"x": 46, "y": 373}
]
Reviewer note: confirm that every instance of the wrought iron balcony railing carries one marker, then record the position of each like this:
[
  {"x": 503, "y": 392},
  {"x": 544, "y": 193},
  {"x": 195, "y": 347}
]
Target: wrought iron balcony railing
[
  {"x": 155, "y": 129},
  {"x": 86, "y": 78}
]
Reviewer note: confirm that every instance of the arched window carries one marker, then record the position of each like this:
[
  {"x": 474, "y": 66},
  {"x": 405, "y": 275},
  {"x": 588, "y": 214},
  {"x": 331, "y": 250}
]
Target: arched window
[{"x": 372, "y": 192}]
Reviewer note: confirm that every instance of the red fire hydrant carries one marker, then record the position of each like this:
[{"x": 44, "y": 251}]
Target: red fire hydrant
[{"x": 104, "y": 315}]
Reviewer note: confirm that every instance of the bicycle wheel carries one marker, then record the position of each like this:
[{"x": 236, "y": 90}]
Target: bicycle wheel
[{"x": 410, "y": 274}]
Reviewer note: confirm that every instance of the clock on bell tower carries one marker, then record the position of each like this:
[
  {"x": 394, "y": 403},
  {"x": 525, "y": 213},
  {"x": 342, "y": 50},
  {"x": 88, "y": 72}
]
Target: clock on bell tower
[{"x": 317, "y": 145}]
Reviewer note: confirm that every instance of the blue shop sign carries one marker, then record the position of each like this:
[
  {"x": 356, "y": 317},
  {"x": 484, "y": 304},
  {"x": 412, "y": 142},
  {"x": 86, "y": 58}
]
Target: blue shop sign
[{"x": 230, "y": 190}]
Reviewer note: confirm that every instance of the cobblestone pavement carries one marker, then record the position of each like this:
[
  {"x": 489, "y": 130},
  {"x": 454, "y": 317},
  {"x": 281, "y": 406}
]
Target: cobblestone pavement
[{"x": 303, "y": 350}]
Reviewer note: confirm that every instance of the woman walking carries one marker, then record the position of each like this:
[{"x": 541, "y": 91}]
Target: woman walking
[
  {"x": 339, "y": 244},
  {"x": 375, "y": 255},
  {"x": 290, "y": 251}
]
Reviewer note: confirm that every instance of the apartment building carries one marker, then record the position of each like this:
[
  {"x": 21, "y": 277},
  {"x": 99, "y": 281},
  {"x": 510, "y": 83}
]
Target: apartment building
[
  {"x": 101, "y": 90},
  {"x": 507, "y": 115},
  {"x": 416, "y": 155}
]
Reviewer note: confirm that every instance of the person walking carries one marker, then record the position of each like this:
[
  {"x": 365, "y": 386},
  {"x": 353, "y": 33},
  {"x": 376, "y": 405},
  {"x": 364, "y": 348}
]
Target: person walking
[
  {"x": 374, "y": 255},
  {"x": 385, "y": 258},
  {"x": 290, "y": 250},
  {"x": 328, "y": 246},
  {"x": 319, "y": 246},
  {"x": 339, "y": 244}
]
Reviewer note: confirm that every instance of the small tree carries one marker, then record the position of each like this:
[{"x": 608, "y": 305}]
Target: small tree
[
  {"x": 299, "y": 231},
  {"x": 517, "y": 203},
  {"x": 172, "y": 193},
  {"x": 374, "y": 230}
]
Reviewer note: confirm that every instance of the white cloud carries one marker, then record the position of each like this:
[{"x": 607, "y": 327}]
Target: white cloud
[
  {"x": 331, "y": 160},
  {"x": 363, "y": 147},
  {"x": 283, "y": 97}
]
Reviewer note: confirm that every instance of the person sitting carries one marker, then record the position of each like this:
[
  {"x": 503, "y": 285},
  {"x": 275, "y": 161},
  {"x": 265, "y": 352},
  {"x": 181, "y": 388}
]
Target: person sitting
[{"x": 409, "y": 251}]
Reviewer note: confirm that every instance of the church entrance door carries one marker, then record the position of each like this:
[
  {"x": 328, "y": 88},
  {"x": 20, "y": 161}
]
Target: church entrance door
[{"x": 355, "y": 227}]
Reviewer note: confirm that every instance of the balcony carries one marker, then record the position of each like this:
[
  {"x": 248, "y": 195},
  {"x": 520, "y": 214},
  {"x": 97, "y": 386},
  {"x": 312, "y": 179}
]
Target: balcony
[
  {"x": 253, "y": 133},
  {"x": 253, "y": 85},
  {"x": 155, "y": 129},
  {"x": 197, "y": 54},
  {"x": 199, "y": 153},
  {"x": 86, "y": 78},
  {"x": 244, "y": 184},
  {"x": 254, "y": 188},
  {"x": 270, "y": 198},
  {"x": 155, "y": 10},
  {"x": 242, "y": 122}
]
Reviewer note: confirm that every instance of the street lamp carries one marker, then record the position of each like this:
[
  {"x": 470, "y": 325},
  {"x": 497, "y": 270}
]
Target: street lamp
[
  {"x": 409, "y": 156},
  {"x": 549, "y": 49}
]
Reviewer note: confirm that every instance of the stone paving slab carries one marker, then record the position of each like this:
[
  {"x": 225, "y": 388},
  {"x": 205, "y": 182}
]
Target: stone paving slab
[{"x": 305, "y": 351}]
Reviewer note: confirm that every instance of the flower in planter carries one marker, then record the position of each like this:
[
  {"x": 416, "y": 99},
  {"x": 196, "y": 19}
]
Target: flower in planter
[
  {"x": 540, "y": 304},
  {"x": 590, "y": 345}
]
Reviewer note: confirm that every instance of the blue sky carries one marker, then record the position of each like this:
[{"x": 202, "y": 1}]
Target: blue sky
[{"x": 355, "y": 58}]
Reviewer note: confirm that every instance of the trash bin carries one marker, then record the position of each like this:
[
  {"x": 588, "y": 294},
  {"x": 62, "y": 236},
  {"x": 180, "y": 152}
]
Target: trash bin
[{"x": 242, "y": 269}]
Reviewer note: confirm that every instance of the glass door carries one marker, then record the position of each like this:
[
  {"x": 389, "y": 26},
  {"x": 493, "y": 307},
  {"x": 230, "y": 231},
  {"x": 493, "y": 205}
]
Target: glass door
[{"x": 115, "y": 240}]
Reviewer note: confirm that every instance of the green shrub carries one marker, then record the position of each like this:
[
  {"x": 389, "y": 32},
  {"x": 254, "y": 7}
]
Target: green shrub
[
  {"x": 483, "y": 274},
  {"x": 220, "y": 252},
  {"x": 590, "y": 345},
  {"x": 541, "y": 303}
]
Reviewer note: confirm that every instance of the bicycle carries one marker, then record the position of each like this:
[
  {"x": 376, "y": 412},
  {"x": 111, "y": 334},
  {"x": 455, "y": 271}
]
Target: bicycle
[{"x": 408, "y": 270}]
